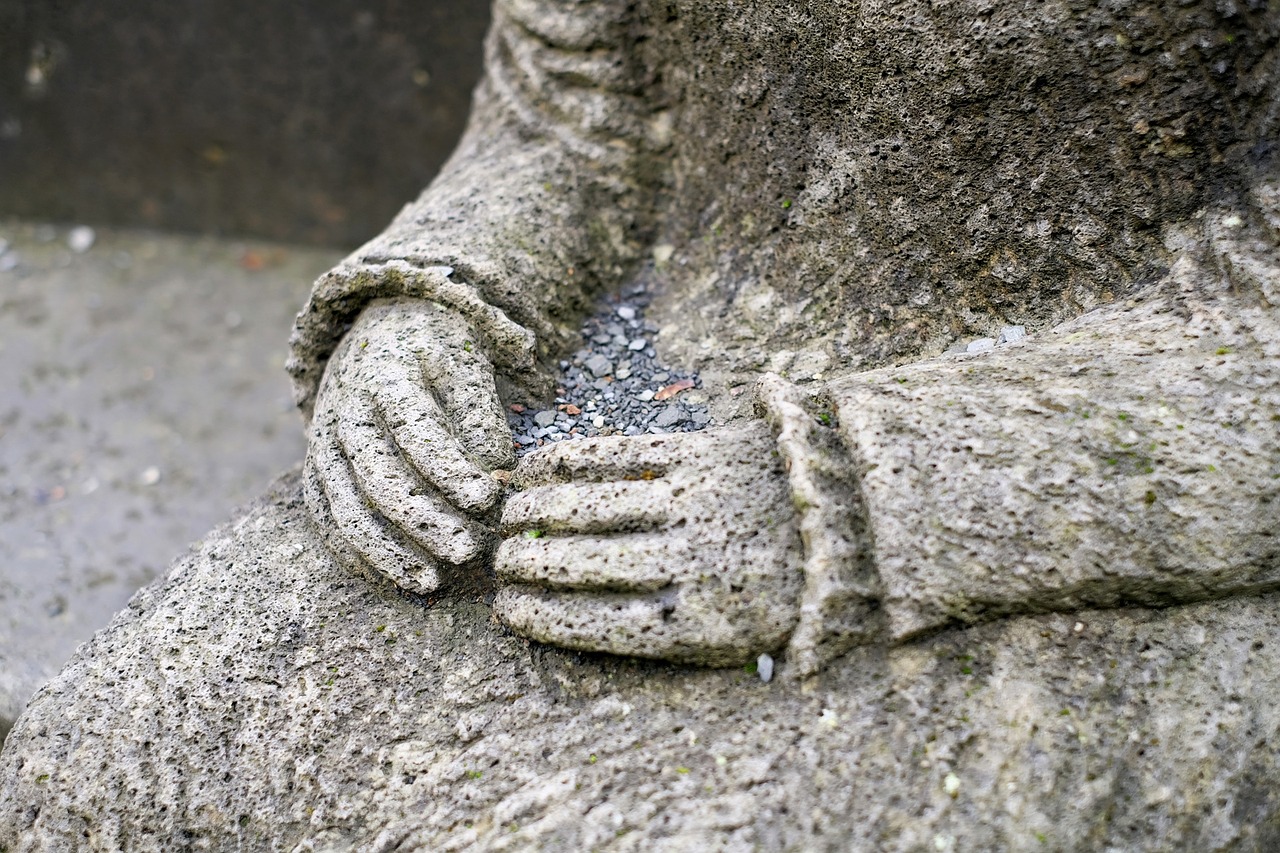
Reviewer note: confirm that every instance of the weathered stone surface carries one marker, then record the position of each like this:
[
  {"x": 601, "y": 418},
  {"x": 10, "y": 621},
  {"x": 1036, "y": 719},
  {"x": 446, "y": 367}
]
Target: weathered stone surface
[
  {"x": 261, "y": 697},
  {"x": 833, "y": 192}
]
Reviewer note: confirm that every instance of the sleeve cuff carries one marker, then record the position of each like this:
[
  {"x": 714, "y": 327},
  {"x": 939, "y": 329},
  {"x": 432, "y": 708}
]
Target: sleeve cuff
[
  {"x": 340, "y": 295},
  {"x": 840, "y": 606}
]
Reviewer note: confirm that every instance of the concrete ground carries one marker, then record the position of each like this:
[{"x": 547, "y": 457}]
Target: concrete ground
[{"x": 142, "y": 397}]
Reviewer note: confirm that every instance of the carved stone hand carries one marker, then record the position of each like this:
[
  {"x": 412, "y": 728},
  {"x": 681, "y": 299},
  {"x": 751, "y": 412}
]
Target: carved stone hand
[
  {"x": 407, "y": 429},
  {"x": 682, "y": 547}
]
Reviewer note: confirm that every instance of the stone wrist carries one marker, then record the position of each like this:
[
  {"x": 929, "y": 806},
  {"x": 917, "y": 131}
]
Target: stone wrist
[{"x": 340, "y": 295}]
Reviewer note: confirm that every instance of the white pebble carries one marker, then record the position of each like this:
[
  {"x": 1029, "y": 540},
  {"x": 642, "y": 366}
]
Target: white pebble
[
  {"x": 598, "y": 421},
  {"x": 637, "y": 344},
  {"x": 764, "y": 668},
  {"x": 80, "y": 239},
  {"x": 150, "y": 477},
  {"x": 663, "y": 252},
  {"x": 981, "y": 345},
  {"x": 626, "y": 312},
  {"x": 1009, "y": 334}
]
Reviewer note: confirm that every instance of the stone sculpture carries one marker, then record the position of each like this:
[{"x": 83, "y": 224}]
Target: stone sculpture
[
  {"x": 844, "y": 191},
  {"x": 937, "y": 492}
]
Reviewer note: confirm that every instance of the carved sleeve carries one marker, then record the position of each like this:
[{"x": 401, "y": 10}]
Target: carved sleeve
[
  {"x": 1131, "y": 456},
  {"x": 540, "y": 205}
]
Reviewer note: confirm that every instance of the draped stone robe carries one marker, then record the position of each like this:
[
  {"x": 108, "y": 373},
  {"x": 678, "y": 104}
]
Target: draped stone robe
[{"x": 847, "y": 190}]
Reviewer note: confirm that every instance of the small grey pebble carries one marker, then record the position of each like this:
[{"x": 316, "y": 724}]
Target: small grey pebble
[
  {"x": 545, "y": 419},
  {"x": 637, "y": 344},
  {"x": 660, "y": 377},
  {"x": 671, "y": 416},
  {"x": 599, "y": 365}
]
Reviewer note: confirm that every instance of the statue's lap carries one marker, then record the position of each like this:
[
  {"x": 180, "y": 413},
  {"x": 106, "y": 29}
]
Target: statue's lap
[{"x": 259, "y": 692}]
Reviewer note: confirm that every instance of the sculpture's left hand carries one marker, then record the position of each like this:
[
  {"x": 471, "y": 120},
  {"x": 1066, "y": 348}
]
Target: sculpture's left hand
[
  {"x": 682, "y": 547},
  {"x": 407, "y": 427}
]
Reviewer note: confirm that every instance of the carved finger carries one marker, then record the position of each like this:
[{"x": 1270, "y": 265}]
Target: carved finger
[
  {"x": 318, "y": 506},
  {"x": 367, "y": 533},
  {"x": 620, "y": 623},
  {"x": 470, "y": 401},
  {"x": 599, "y": 460},
  {"x": 393, "y": 488},
  {"x": 461, "y": 377},
  {"x": 617, "y": 507},
  {"x": 633, "y": 563},
  {"x": 417, "y": 424}
]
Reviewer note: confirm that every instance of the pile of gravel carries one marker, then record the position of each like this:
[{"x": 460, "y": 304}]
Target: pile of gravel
[{"x": 613, "y": 385}]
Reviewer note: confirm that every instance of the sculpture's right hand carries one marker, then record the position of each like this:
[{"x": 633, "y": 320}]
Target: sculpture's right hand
[
  {"x": 407, "y": 430},
  {"x": 682, "y": 547}
]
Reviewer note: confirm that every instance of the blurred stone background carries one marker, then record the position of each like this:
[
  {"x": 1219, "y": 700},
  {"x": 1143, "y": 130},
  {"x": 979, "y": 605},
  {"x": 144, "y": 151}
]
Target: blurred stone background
[
  {"x": 161, "y": 167},
  {"x": 306, "y": 122}
]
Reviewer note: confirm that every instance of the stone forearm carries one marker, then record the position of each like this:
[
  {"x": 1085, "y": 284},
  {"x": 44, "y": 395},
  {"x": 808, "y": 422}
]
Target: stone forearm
[
  {"x": 541, "y": 205},
  {"x": 1131, "y": 456}
]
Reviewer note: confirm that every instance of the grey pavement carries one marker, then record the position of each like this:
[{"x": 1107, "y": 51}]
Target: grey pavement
[{"x": 142, "y": 397}]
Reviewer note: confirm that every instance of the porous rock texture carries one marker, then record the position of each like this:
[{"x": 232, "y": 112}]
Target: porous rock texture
[
  {"x": 261, "y": 698},
  {"x": 825, "y": 188}
]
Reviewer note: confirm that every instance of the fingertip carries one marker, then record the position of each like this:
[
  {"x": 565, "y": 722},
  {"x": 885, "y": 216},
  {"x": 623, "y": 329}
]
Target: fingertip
[
  {"x": 478, "y": 494},
  {"x": 455, "y": 546}
]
